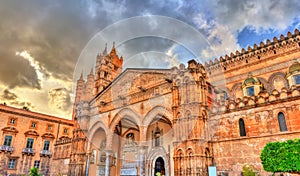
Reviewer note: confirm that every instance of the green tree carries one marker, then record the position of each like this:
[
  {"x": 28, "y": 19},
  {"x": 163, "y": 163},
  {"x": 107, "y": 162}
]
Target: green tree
[
  {"x": 281, "y": 156},
  {"x": 34, "y": 172}
]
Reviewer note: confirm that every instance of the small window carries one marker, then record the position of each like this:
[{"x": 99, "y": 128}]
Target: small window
[
  {"x": 105, "y": 74},
  {"x": 242, "y": 127},
  {"x": 33, "y": 125},
  {"x": 250, "y": 91},
  {"x": 29, "y": 143},
  {"x": 282, "y": 122},
  {"x": 66, "y": 131},
  {"x": 7, "y": 140},
  {"x": 46, "y": 145},
  {"x": 12, "y": 121},
  {"x": 50, "y": 127},
  {"x": 12, "y": 163},
  {"x": 297, "y": 79},
  {"x": 36, "y": 164}
]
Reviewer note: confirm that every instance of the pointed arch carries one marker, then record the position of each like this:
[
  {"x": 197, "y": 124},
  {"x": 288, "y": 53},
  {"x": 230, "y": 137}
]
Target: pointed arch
[
  {"x": 277, "y": 75},
  {"x": 95, "y": 127},
  {"x": 126, "y": 112},
  {"x": 242, "y": 127},
  {"x": 157, "y": 110},
  {"x": 282, "y": 122}
]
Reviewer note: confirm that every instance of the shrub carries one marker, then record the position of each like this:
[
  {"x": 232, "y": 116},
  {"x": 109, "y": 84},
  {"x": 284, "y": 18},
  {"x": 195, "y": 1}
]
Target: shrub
[
  {"x": 248, "y": 170},
  {"x": 281, "y": 156},
  {"x": 34, "y": 172}
]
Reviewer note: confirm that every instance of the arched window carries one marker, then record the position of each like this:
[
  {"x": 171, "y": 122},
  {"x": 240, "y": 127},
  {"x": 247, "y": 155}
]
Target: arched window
[
  {"x": 281, "y": 121},
  {"x": 242, "y": 127}
]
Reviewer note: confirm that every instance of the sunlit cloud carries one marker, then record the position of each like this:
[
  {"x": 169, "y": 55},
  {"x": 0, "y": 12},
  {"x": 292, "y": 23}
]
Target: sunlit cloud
[{"x": 35, "y": 64}]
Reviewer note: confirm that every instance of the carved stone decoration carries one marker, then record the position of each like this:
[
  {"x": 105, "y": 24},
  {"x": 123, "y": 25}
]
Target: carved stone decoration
[
  {"x": 11, "y": 130},
  {"x": 31, "y": 133},
  {"x": 48, "y": 136}
]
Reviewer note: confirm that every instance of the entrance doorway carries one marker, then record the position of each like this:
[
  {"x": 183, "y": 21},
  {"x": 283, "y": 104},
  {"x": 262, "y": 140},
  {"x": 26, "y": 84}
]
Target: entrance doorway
[{"x": 159, "y": 166}]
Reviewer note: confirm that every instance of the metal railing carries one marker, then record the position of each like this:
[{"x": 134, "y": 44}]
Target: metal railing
[
  {"x": 28, "y": 151},
  {"x": 46, "y": 152},
  {"x": 6, "y": 148}
]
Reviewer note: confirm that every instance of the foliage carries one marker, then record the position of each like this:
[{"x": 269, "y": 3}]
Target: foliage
[
  {"x": 34, "y": 172},
  {"x": 281, "y": 156},
  {"x": 248, "y": 170}
]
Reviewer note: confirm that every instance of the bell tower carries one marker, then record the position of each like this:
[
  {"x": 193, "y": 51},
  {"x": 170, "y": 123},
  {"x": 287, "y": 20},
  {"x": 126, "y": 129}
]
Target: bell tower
[{"x": 108, "y": 67}]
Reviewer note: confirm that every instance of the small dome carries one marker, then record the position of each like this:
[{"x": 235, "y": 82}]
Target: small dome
[
  {"x": 251, "y": 81},
  {"x": 295, "y": 67}
]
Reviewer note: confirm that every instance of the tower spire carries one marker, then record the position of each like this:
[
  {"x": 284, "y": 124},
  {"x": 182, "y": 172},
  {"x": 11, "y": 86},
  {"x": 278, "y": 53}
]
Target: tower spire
[
  {"x": 105, "y": 50},
  {"x": 113, "y": 49},
  {"x": 81, "y": 76}
]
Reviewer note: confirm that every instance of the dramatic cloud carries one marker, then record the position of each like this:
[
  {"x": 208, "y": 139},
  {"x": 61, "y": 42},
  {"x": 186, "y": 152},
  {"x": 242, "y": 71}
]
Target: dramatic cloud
[
  {"x": 7, "y": 95},
  {"x": 42, "y": 40},
  {"x": 261, "y": 15},
  {"x": 12, "y": 99},
  {"x": 59, "y": 100}
]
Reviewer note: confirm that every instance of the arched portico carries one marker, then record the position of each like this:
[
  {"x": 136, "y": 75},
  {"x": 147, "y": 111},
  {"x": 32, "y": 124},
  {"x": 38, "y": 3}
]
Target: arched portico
[
  {"x": 96, "y": 147},
  {"x": 92, "y": 130},
  {"x": 126, "y": 112},
  {"x": 157, "y": 110}
]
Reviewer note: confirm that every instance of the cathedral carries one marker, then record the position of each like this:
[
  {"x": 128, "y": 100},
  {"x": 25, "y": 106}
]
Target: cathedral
[{"x": 182, "y": 120}]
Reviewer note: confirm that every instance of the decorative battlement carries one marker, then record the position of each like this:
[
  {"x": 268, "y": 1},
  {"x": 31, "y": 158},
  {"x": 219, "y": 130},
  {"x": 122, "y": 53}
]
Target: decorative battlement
[
  {"x": 261, "y": 99},
  {"x": 258, "y": 52}
]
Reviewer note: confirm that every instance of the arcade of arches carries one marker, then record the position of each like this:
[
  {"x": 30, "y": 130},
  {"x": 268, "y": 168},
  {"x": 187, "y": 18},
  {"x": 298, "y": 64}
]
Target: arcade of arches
[{"x": 182, "y": 120}]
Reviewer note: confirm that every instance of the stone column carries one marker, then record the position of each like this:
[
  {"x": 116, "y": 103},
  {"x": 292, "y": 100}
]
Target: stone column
[
  {"x": 142, "y": 159},
  {"x": 107, "y": 162}
]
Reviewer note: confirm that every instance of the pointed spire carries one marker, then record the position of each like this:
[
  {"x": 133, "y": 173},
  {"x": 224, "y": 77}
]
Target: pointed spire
[
  {"x": 113, "y": 50},
  {"x": 105, "y": 50},
  {"x": 92, "y": 71},
  {"x": 81, "y": 76}
]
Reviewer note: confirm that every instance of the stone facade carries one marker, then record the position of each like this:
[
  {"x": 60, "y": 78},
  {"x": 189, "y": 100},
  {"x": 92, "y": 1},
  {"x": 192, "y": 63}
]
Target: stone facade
[
  {"x": 181, "y": 120},
  {"x": 30, "y": 139},
  {"x": 270, "y": 114}
]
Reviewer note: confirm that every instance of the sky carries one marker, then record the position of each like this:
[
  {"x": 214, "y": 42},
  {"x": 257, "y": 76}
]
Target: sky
[{"x": 42, "y": 41}]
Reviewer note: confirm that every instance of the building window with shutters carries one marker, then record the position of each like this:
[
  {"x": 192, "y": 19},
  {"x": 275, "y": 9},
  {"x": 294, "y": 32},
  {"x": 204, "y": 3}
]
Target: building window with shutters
[
  {"x": 46, "y": 145},
  {"x": 282, "y": 122},
  {"x": 7, "y": 140},
  {"x": 12, "y": 163},
  {"x": 37, "y": 164},
  {"x": 242, "y": 127},
  {"x": 29, "y": 143}
]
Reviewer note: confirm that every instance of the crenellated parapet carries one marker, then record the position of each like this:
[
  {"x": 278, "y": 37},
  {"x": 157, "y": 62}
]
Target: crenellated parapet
[
  {"x": 283, "y": 45},
  {"x": 260, "y": 100}
]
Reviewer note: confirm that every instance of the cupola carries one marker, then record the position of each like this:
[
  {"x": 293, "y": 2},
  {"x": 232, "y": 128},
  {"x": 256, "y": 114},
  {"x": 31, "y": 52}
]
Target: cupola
[
  {"x": 251, "y": 86},
  {"x": 293, "y": 74}
]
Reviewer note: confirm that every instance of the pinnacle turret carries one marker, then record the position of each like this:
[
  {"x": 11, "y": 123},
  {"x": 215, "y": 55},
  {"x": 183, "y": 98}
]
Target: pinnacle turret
[{"x": 105, "y": 50}]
